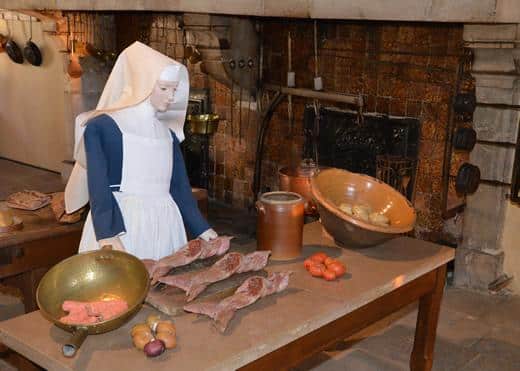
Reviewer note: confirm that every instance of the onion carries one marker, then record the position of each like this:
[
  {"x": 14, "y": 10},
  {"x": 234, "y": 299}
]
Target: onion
[
  {"x": 154, "y": 348},
  {"x": 152, "y": 321}
]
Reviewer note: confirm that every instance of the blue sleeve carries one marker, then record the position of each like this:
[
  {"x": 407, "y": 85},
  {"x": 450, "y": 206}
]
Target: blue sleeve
[
  {"x": 106, "y": 215},
  {"x": 180, "y": 190}
]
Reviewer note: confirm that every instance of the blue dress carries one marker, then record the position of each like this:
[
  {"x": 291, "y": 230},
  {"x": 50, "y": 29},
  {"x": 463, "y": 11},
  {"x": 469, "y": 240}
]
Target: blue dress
[{"x": 104, "y": 153}]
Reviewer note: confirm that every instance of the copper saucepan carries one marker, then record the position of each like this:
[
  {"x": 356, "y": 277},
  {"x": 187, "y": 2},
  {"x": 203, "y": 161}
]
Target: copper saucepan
[{"x": 91, "y": 276}]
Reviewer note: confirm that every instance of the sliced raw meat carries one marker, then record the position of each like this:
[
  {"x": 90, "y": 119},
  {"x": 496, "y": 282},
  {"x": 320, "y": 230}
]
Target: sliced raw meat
[
  {"x": 195, "y": 249},
  {"x": 254, "y": 261},
  {"x": 28, "y": 200},
  {"x": 249, "y": 292},
  {"x": 196, "y": 282},
  {"x": 84, "y": 313}
]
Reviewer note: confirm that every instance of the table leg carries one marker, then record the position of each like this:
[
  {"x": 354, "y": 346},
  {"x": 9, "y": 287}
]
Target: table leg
[{"x": 427, "y": 318}]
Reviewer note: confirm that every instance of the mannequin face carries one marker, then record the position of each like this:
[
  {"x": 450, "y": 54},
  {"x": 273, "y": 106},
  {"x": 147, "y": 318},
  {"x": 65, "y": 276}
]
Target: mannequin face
[{"x": 163, "y": 95}]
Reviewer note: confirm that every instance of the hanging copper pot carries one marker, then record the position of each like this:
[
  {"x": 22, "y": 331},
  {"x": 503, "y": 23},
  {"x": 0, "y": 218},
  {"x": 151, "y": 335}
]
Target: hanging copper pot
[
  {"x": 3, "y": 41},
  {"x": 74, "y": 70},
  {"x": 298, "y": 180},
  {"x": 280, "y": 224}
]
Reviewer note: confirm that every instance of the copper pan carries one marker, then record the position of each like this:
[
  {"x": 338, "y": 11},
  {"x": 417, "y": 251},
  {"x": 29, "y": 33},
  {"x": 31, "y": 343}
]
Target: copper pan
[
  {"x": 97, "y": 275},
  {"x": 293, "y": 181},
  {"x": 205, "y": 124}
]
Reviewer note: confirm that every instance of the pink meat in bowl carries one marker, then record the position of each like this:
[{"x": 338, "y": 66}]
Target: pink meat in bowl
[{"x": 333, "y": 187}]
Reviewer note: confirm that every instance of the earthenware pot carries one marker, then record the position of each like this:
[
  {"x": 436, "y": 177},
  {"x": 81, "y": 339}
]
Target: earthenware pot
[{"x": 280, "y": 224}]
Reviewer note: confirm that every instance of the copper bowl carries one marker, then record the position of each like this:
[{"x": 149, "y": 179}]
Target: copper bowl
[
  {"x": 332, "y": 187},
  {"x": 92, "y": 276},
  {"x": 203, "y": 124}
]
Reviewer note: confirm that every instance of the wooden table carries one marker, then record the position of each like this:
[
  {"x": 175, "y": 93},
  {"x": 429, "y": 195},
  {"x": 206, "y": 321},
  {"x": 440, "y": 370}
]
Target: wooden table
[
  {"x": 26, "y": 255},
  {"x": 279, "y": 330}
]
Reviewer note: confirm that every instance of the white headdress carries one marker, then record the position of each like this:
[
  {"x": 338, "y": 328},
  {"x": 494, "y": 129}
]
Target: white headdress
[{"x": 131, "y": 81}]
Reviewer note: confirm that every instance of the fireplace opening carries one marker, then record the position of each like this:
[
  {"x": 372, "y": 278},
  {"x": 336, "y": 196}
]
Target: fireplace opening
[{"x": 381, "y": 146}]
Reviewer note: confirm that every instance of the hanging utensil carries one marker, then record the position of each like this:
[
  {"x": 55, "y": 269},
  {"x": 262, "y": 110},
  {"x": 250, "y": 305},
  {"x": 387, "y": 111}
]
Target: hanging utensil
[
  {"x": 290, "y": 84},
  {"x": 74, "y": 70},
  {"x": 250, "y": 65},
  {"x": 316, "y": 131},
  {"x": 241, "y": 64},
  {"x": 318, "y": 82},
  {"x": 13, "y": 50},
  {"x": 31, "y": 52},
  {"x": 232, "y": 65}
]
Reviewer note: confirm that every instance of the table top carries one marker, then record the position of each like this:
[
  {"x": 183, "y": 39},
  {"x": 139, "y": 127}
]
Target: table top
[
  {"x": 308, "y": 304},
  {"x": 36, "y": 225}
]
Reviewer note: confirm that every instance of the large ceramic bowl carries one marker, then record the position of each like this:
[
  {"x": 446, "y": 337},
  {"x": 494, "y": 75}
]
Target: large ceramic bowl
[{"x": 332, "y": 187}]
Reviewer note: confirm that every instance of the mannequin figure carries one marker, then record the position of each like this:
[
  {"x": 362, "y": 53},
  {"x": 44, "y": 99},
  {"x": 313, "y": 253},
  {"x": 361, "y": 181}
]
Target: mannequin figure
[{"x": 129, "y": 162}]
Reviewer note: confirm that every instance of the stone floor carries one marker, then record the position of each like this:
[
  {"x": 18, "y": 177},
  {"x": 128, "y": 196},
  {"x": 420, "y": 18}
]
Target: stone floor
[{"x": 475, "y": 332}]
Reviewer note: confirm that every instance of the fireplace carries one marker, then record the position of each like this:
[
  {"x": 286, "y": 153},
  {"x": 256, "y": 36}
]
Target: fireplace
[{"x": 381, "y": 146}]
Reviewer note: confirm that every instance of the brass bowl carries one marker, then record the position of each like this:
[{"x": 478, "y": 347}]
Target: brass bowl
[
  {"x": 203, "y": 124},
  {"x": 332, "y": 187},
  {"x": 92, "y": 276}
]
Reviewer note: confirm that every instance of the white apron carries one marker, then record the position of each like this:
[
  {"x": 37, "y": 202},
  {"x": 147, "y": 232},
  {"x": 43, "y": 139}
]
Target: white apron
[{"x": 153, "y": 222}]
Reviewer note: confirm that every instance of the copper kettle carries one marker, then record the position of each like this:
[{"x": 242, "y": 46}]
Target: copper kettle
[{"x": 280, "y": 224}]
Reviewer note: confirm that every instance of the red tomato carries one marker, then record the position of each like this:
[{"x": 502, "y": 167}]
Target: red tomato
[
  {"x": 329, "y": 261},
  {"x": 329, "y": 275},
  {"x": 338, "y": 268},
  {"x": 307, "y": 263},
  {"x": 317, "y": 270},
  {"x": 319, "y": 257}
]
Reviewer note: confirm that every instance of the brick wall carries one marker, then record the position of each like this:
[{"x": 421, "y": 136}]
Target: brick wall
[{"x": 400, "y": 69}]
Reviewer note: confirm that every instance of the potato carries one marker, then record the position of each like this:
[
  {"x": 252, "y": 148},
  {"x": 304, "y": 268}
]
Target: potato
[
  {"x": 379, "y": 219},
  {"x": 140, "y": 339},
  {"x": 140, "y": 327},
  {"x": 361, "y": 212},
  {"x": 165, "y": 326},
  {"x": 168, "y": 339},
  {"x": 346, "y": 208}
]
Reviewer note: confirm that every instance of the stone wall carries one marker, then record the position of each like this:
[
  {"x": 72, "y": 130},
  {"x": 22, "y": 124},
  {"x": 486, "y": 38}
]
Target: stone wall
[
  {"x": 488, "y": 231},
  {"x": 492, "y": 11}
]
